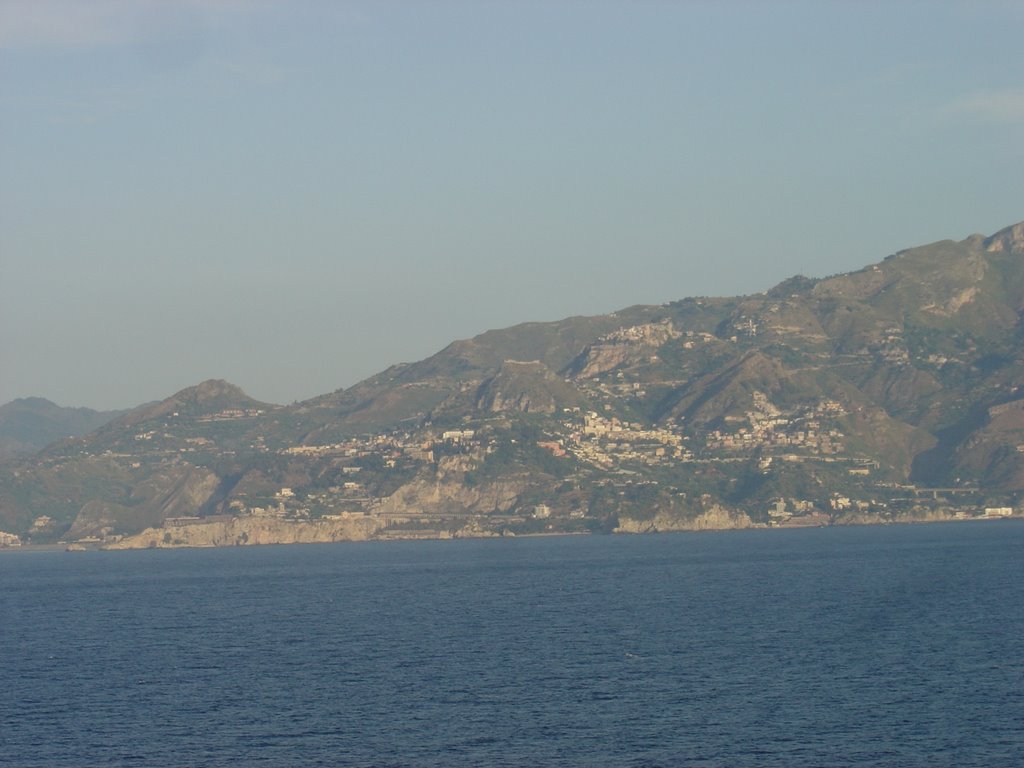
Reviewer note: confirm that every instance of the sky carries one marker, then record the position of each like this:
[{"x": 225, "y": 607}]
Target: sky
[{"x": 294, "y": 195}]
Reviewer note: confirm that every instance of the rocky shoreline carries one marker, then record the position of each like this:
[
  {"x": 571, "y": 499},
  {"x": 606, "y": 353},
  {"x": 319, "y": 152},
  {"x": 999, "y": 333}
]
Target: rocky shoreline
[{"x": 256, "y": 532}]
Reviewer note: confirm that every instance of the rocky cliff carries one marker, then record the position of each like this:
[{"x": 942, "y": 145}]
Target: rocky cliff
[
  {"x": 249, "y": 531},
  {"x": 716, "y": 518}
]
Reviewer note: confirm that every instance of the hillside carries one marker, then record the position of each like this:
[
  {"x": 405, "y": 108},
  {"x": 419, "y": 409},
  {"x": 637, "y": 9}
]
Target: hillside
[
  {"x": 30, "y": 423},
  {"x": 886, "y": 394}
]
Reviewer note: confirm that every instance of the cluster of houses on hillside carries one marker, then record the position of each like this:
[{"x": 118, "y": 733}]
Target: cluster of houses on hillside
[
  {"x": 768, "y": 427},
  {"x": 607, "y": 441}
]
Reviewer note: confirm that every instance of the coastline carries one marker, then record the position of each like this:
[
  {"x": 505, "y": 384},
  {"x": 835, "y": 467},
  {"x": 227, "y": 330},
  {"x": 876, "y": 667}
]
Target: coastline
[
  {"x": 59, "y": 547},
  {"x": 304, "y": 532}
]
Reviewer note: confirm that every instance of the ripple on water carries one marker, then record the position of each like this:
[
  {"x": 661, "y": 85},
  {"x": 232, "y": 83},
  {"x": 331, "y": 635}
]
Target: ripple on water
[{"x": 868, "y": 647}]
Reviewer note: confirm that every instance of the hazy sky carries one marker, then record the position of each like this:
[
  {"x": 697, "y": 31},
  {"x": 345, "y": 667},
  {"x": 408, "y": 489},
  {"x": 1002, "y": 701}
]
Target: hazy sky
[{"x": 294, "y": 195}]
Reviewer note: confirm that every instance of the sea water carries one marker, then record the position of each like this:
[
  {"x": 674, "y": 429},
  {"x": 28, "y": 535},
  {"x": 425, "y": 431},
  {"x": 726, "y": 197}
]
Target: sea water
[{"x": 873, "y": 646}]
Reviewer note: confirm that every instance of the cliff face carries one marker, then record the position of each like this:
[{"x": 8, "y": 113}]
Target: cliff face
[
  {"x": 249, "y": 531},
  {"x": 525, "y": 387},
  {"x": 176, "y": 491},
  {"x": 1009, "y": 240},
  {"x": 448, "y": 497},
  {"x": 446, "y": 491},
  {"x": 624, "y": 346},
  {"x": 715, "y": 518}
]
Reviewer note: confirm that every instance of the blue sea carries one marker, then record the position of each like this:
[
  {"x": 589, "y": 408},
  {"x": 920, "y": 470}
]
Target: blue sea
[{"x": 871, "y": 646}]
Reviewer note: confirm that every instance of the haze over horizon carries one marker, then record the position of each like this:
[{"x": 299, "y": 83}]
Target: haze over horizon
[{"x": 294, "y": 196}]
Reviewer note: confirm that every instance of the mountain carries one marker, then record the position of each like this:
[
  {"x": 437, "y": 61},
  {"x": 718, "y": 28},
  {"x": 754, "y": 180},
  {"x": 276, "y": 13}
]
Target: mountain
[
  {"x": 30, "y": 423},
  {"x": 886, "y": 394}
]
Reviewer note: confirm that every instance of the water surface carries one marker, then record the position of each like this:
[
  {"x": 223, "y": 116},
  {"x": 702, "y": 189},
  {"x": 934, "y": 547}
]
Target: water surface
[{"x": 874, "y": 646}]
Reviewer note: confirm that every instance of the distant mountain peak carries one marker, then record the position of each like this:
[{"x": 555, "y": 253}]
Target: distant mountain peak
[
  {"x": 212, "y": 389},
  {"x": 34, "y": 401},
  {"x": 1009, "y": 240},
  {"x": 206, "y": 397},
  {"x": 29, "y": 423}
]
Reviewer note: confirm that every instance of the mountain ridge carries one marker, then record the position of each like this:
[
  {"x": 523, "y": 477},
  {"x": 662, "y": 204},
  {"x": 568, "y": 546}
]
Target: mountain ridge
[
  {"x": 848, "y": 398},
  {"x": 28, "y": 424}
]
